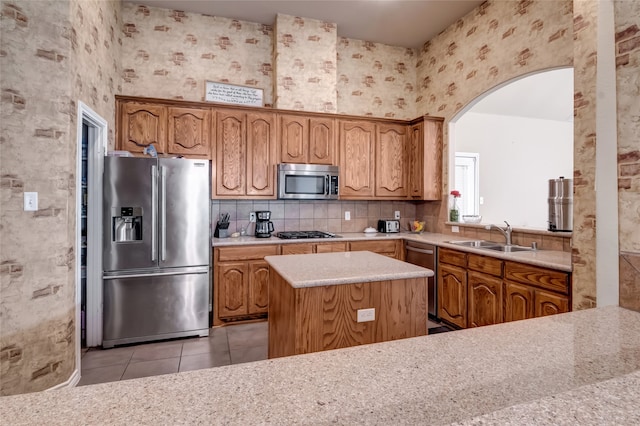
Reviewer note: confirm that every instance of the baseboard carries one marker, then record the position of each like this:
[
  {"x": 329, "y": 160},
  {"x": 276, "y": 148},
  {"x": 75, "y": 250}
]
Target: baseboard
[{"x": 70, "y": 383}]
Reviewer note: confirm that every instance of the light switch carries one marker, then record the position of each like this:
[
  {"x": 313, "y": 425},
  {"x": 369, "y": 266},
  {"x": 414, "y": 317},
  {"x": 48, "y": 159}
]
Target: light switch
[
  {"x": 347, "y": 215},
  {"x": 30, "y": 201}
]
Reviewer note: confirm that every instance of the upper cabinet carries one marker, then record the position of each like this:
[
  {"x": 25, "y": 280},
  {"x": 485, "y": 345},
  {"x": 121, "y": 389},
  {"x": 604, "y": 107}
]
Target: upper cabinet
[
  {"x": 189, "y": 131},
  {"x": 425, "y": 159},
  {"x": 391, "y": 161},
  {"x": 357, "y": 159},
  {"x": 141, "y": 124},
  {"x": 244, "y": 157},
  {"x": 306, "y": 140}
]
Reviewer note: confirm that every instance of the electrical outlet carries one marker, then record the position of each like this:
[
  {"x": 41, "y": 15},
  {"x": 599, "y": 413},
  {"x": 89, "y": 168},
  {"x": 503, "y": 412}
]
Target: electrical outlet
[
  {"x": 396, "y": 215},
  {"x": 365, "y": 315},
  {"x": 347, "y": 215},
  {"x": 30, "y": 201},
  {"x": 455, "y": 229},
  {"x": 252, "y": 217}
]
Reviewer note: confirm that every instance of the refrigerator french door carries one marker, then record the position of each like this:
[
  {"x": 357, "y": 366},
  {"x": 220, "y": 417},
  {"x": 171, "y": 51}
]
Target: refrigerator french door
[{"x": 156, "y": 251}]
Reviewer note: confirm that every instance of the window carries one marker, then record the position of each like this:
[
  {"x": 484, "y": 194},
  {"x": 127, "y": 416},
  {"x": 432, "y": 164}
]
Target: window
[{"x": 466, "y": 181}]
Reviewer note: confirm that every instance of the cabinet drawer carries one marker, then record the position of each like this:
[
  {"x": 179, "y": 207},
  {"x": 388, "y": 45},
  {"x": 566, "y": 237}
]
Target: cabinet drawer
[
  {"x": 488, "y": 265},
  {"x": 245, "y": 252},
  {"x": 452, "y": 257},
  {"x": 331, "y": 247},
  {"x": 375, "y": 246},
  {"x": 297, "y": 248},
  {"x": 539, "y": 277}
]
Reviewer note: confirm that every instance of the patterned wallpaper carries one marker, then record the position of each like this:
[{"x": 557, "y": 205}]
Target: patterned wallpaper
[
  {"x": 52, "y": 53},
  {"x": 171, "y": 54},
  {"x": 305, "y": 58},
  {"x": 496, "y": 42},
  {"x": 627, "y": 38},
  {"x": 376, "y": 79}
]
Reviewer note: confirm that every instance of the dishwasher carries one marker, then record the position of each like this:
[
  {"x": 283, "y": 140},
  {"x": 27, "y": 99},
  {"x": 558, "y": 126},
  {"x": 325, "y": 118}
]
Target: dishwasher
[{"x": 423, "y": 254}]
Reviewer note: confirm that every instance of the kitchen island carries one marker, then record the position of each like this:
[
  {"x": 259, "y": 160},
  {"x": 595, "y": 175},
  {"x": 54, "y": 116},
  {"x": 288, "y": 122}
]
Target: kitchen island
[
  {"x": 328, "y": 301},
  {"x": 576, "y": 368}
]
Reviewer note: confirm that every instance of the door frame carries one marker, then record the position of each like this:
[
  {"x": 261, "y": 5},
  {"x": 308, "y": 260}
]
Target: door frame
[{"x": 97, "y": 149}]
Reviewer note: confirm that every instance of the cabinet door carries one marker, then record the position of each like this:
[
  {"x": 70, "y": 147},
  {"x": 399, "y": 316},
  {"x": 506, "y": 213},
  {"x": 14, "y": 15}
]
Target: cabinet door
[
  {"x": 189, "y": 132},
  {"x": 547, "y": 303},
  {"x": 391, "y": 161},
  {"x": 331, "y": 247},
  {"x": 258, "y": 287},
  {"x": 141, "y": 126},
  {"x": 357, "y": 159},
  {"x": 452, "y": 294},
  {"x": 232, "y": 280},
  {"x": 261, "y": 155},
  {"x": 322, "y": 141},
  {"x": 294, "y": 139},
  {"x": 414, "y": 160},
  {"x": 229, "y": 157},
  {"x": 298, "y": 248},
  {"x": 518, "y": 302},
  {"x": 485, "y": 299},
  {"x": 432, "y": 158}
]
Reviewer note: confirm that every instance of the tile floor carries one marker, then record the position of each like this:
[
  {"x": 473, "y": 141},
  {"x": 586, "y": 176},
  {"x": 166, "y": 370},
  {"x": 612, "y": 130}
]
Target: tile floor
[{"x": 233, "y": 344}]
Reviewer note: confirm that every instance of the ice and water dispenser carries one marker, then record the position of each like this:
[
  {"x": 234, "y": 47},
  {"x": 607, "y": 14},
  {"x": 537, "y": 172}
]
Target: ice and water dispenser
[{"x": 126, "y": 224}]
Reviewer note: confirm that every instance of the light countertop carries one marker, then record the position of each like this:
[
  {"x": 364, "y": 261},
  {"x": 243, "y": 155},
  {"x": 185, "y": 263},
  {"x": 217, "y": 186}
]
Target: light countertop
[
  {"x": 312, "y": 270},
  {"x": 575, "y": 368},
  {"x": 552, "y": 259}
]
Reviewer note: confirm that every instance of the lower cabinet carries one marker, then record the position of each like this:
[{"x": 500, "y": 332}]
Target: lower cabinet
[
  {"x": 452, "y": 294},
  {"x": 241, "y": 283},
  {"x": 475, "y": 290},
  {"x": 485, "y": 299}
]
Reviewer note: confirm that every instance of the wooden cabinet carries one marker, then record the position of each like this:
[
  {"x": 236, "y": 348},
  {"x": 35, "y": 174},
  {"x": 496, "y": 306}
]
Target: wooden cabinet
[
  {"x": 189, "y": 132},
  {"x": 476, "y": 290},
  {"x": 297, "y": 248},
  {"x": 518, "y": 302},
  {"x": 391, "y": 162},
  {"x": 245, "y": 155},
  {"x": 452, "y": 294},
  {"x": 389, "y": 248},
  {"x": 141, "y": 124},
  {"x": 485, "y": 299},
  {"x": 331, "y": 247},
  {"x": 425, "y": 159},
  {"x": 357, "y": 159},
  {"x": 241, "y": 283},
  {"x": 306, "y": 140}
]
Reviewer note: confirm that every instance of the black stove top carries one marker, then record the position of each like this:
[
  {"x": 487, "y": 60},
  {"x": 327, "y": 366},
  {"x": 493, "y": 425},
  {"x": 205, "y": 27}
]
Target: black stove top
[{"x": 294, "y": 235}]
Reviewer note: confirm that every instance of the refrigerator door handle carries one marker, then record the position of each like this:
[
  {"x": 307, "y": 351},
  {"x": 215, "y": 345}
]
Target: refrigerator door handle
[
  {"x": 154, "y": 212},
  {"x": 163, "y": 213}
]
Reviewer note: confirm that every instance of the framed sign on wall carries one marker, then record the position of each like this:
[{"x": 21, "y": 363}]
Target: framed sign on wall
[{"x": 233, "y": 94}]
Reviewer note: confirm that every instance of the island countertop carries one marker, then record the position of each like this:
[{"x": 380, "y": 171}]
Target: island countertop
[
  {"x": 575, "y": 368},
  {"x": 319, "y": 269}
]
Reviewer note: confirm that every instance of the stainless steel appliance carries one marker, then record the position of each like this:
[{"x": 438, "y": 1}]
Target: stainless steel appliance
[
  {"x": 560, "y": 204},
  {"x": 425, "y": 255},
  {"x": 156, "y": 249},
  {"x": 295, "y": 235},
  {"x": 307, "y": 182},
  {"x": 388, "y": 225},
  {"x": 264, "y": 226}
]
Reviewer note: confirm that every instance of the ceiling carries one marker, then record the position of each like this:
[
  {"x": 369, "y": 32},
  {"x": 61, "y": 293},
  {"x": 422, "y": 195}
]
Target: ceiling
[{"x": 405, "y": 23}]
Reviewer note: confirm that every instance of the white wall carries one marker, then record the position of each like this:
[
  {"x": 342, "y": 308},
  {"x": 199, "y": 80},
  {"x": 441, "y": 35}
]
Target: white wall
[{"x": 518, "y": 156}]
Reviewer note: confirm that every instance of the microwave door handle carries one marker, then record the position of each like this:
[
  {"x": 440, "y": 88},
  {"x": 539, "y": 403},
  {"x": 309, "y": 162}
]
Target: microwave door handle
[{"x": 327, "y": 182}]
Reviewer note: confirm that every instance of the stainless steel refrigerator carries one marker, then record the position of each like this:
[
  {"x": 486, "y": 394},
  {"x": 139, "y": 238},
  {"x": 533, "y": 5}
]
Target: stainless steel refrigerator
[{"x": 156, "y": 249}]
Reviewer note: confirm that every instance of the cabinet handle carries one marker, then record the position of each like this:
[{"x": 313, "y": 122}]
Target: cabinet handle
[{"x": 419, "y": 250}]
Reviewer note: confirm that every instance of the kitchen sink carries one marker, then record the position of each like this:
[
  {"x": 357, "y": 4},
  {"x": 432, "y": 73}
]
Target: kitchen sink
[
  {"x": 490, "y": 245},
  {"x": 476, "y": 243},
  {"x": 507, "y": 249}
]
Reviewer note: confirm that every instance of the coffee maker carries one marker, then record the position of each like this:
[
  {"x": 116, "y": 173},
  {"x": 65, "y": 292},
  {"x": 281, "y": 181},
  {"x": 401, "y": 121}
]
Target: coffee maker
[{"x": 264, "y": 226}]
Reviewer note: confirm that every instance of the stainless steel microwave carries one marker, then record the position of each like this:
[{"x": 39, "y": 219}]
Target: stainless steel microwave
[{"x": 307, "y": 182}]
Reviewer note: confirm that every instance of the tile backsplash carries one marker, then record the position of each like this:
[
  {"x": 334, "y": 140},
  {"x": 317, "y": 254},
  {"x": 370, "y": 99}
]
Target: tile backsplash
[{"x": 294, "y": 215}]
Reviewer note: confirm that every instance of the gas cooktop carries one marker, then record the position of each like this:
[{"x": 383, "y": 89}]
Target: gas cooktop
[{"x": 294, "y": 235}]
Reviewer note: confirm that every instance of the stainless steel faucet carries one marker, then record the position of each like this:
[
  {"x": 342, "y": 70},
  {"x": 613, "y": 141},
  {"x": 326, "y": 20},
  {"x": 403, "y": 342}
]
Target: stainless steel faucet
[{"x": 506, "y": 232}]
